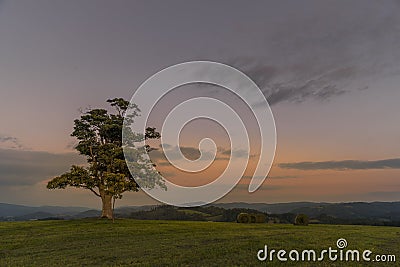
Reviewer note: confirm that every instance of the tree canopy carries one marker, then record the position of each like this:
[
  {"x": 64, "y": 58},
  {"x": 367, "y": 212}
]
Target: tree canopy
[{"x": 107, "y": 175}]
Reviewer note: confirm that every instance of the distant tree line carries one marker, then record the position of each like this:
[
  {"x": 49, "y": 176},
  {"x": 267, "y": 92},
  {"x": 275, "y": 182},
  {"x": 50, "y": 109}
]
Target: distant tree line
[{"x": 217, "y": 214}]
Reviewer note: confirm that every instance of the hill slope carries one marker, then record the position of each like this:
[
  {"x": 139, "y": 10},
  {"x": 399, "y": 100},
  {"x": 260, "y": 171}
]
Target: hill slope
[{"x": 93, "y": 242}]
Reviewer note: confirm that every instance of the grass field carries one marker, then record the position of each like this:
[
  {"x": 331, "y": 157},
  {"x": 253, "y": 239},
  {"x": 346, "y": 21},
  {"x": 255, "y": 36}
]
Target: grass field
[{"x": 94, "y": 242}]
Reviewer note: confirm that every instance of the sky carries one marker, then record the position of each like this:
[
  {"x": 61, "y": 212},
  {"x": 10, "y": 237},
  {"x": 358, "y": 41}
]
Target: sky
[{"x": 329, "y": 70}]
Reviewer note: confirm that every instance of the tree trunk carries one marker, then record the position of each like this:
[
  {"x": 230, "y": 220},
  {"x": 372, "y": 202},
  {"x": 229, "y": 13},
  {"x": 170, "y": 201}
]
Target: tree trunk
[{"x": 106, "y": 211}]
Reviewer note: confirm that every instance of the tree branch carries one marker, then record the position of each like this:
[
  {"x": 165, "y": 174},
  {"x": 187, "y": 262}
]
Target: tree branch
[{"x": 94, "y": 192}]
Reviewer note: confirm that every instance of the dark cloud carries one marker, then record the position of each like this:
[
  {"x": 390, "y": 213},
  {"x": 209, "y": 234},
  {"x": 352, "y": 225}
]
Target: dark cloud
[
  {"x": 278, "y": 87},
  {"x": 10, "y": 142},
  {"x": 191, "y": 153},
  {"x": 237, "y": 153},
  {"x": 317, "y": 53},
  {"x": 18, "y": 167},
  {"x": 7, "y": 138},
  {"x": 313, "y": 89},
  {"x": 344, "y": 165}
]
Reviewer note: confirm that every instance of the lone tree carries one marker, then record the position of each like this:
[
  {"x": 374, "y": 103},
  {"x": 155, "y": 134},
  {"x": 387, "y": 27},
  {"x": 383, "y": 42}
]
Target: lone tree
[{"x": 107, "y": 174}]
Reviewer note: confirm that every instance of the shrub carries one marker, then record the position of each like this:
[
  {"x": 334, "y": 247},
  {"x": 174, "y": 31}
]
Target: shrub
[
  {"x": 301, "y": 219},
  {"x": 252, "y": 218},
  {"x": 243, "y": 218},
  {"x": 261, "y": 218}
]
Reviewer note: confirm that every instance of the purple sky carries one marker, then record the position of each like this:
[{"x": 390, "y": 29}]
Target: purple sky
[{"x": 329, "y": 69}]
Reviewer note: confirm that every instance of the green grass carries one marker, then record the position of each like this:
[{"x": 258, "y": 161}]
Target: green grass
[
  {"x": 175, "y": 243},
  {"x": 194, "y": 212}
]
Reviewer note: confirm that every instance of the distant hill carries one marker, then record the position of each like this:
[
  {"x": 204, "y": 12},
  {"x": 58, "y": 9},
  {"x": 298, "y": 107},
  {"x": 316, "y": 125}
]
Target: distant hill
[
  {"x": 374, "y": 213},
  {"x": 355, "y": 210},
  {"x": 269, "y": 208},
  {"x": 129, "y": 209},
  {"x": 350, "y": 210},
  {"x": 35, "y": 216},
  {"x": 12, "y": 210},
  {"x": 88, "y": 214}
]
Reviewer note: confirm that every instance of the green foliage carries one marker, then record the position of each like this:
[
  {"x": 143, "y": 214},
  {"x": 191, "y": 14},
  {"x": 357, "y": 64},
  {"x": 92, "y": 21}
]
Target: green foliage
[
  {"x": 260, "y": 218},
  {"x": 99, "y": 135},
  {"x": 204, "y": 213},
  {"x": 243, "y": 218},
  {"x": 78, "y": 177},
  {"x": 251, "y": 218},
  {"x": 301, "y": 219}
]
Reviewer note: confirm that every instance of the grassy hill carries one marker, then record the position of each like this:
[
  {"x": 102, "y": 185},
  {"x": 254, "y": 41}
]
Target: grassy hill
[{"x": 94, "y": 242}]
